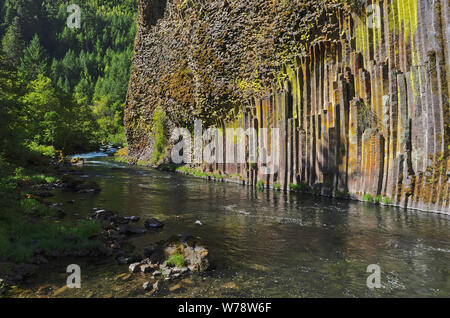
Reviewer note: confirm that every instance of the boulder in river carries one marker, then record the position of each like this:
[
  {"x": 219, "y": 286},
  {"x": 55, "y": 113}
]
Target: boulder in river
[
  {"x": 177, "y": 255},
  {"x": 135, "y": 267},
  {"x": 153, "y": 224}
]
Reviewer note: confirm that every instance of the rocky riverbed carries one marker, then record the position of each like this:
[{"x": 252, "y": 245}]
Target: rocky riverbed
[
  {"x": 264, "y": 243},
  {"x": 174, "y": 258}
]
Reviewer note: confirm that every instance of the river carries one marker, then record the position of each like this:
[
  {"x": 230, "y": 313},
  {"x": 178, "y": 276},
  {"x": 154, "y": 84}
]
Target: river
[{"x": 264, "y": 243}]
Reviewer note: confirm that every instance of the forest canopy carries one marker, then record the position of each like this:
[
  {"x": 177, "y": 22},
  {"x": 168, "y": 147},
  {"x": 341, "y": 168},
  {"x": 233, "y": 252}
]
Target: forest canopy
[{"x": 64, "y": 87}]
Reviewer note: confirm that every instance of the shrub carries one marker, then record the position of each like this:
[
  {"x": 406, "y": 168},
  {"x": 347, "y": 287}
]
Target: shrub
[
  {"x": 48, "y": 151},
  {"x": 123, "y": 152},
  {"x": 277, "y": 186},
  {"x": 176, "y": 260},
  {"x": 30, "y": 206},
  {"x": 117, "y": 140},
  {"x": 260, "y": 184},
  {"x": 86, "y": 229},
  {"x": 368, "y": 198}
]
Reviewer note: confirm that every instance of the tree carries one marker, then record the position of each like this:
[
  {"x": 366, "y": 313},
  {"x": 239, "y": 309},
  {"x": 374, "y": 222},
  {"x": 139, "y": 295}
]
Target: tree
[
  {"x": 34, "y": 61},
  {"x": 12, "y": 43},
  {"x": 40, "y": 100},
  {"x": 11, "y": 124}
]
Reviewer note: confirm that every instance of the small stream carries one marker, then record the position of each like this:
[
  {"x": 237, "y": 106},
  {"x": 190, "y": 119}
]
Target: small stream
[{"x": 264, "y": 243}]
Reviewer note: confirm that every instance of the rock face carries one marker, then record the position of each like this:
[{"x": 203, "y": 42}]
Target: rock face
[{"x": 360, "y": 98}]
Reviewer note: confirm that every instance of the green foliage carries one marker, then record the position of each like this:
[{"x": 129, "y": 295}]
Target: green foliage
[
  {"x": 12, "y": 43},
  {"x": 27, "y": 225},
  {"x": 368, "y": 198},
  {"x": 86, "y": 229},
  {"x": 56, "y": 120},
  {"x": 378, "y": 199},
  {"x": 59, "y": 86},
  {"x": 260, "y": 184},
  {"x": 277, "y": 186},
  {"x": 387, "y": 201},
  {"x": 176, "y": 260},
  {"x": 34, "y": 61},
  {"x": 48, "y": 151},
  {"x": 12, "y": 130},
  {"x": 158, "y": 132}
]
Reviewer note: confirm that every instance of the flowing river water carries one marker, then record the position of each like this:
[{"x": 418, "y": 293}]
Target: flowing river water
[{"x": 264, "y": 243}]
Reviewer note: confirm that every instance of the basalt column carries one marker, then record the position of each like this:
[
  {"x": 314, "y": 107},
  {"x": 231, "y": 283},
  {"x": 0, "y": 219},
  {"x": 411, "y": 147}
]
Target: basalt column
[{"x": 362, "y": 111}]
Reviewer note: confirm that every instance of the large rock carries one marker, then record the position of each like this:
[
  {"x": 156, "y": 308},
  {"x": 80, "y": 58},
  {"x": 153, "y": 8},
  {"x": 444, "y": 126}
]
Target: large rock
[{"x": 195, "y": 256}]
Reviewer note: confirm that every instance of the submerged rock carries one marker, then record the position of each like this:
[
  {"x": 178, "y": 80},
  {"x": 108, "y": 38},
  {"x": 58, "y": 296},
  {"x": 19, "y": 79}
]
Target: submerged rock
[
  {"x": 153, "y": 224},
  {"x": 132, "y": 218}
]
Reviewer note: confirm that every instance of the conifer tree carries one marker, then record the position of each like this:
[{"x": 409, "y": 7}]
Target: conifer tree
[{"x": 34, "y": 61}]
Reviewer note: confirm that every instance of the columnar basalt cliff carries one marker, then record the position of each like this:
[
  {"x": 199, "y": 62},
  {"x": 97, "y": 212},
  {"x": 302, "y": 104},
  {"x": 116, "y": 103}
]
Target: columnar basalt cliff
[{"x": 358, "y": 91}]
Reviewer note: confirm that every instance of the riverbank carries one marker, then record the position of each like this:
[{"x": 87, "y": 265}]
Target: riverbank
[
  {"x": 40, "y": 233},
  {"x": 35, "y": 231}
]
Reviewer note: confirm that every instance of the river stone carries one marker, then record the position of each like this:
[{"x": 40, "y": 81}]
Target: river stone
[
  {"x": 60, "y": 291},
  {"x": 187, "y": 282},
  {"x": 153, "y": 288},
  {"x": 146, "y": 268},
  {"x": 134, "y": 268},
  {"x": 147, "y": 286},
  {"x": 155, "y": 254},
  {"x": 122, "y": 260},
  {"x": 177, "y": 288},
  {"x": 153, "y": 224},
  {"x": 132, "y": 218},
  {"x": 230, "y": 285}
]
